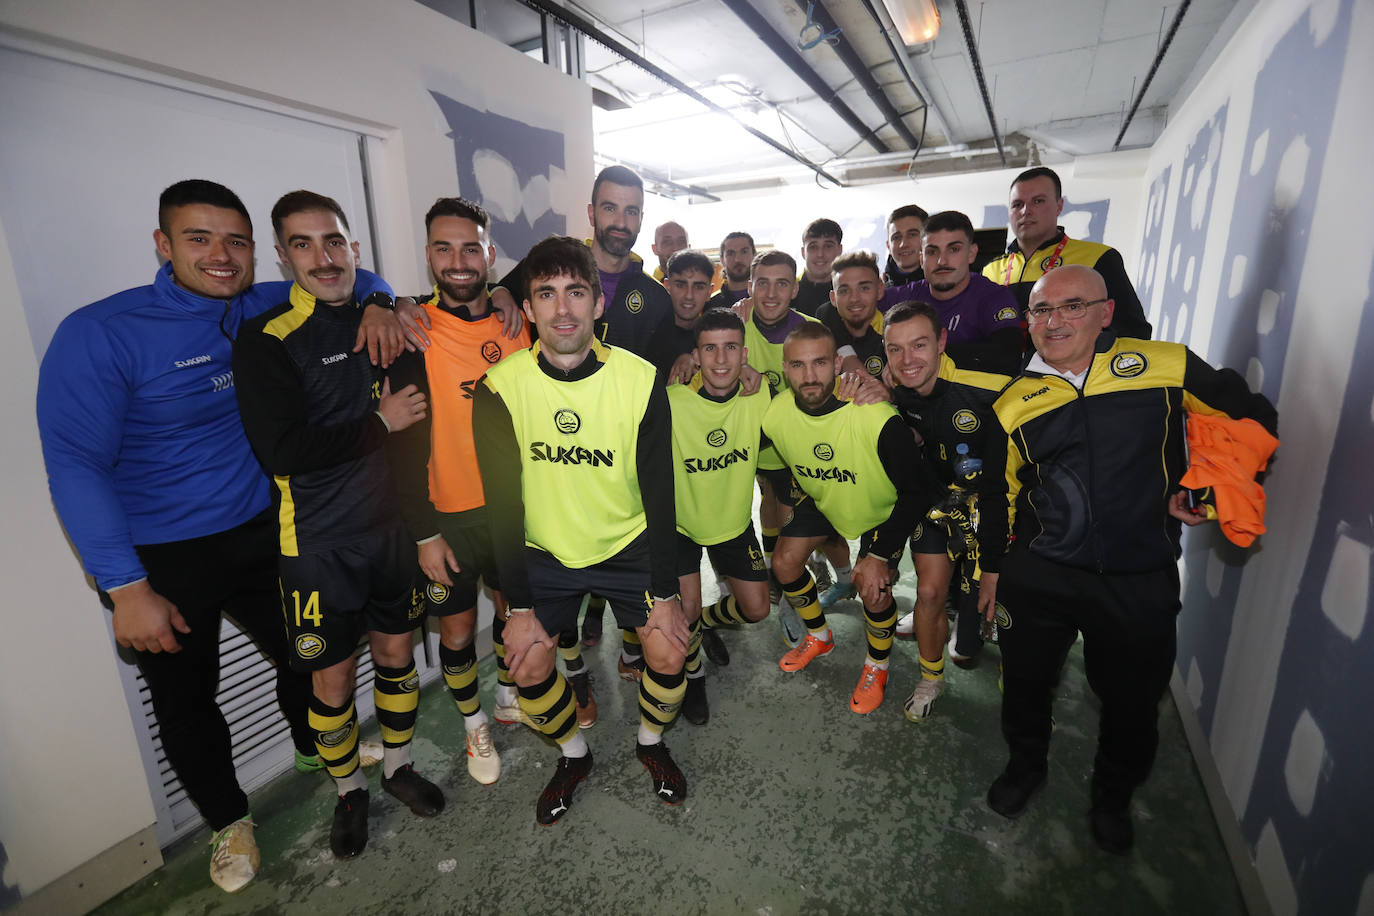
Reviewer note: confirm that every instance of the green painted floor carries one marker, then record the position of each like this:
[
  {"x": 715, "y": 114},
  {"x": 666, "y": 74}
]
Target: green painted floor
[{"x": 795, "y": 805}]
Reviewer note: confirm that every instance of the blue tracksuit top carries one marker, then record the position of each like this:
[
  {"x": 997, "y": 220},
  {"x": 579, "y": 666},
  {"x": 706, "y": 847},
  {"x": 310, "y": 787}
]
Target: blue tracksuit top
[{"x": 140, "y": 427}]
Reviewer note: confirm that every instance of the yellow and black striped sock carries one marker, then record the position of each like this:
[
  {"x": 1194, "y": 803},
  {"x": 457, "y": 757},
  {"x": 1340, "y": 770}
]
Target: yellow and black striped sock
[
  {"x": 660, "y": 695},
  {"x": 693, "y": 663},
  {"x": 336, "y": 740},
  {"x": 630, "y": 646},
  {"x": 933, "y": 671},
  {"x": 498, "y": 645},
  {"x": 396, "y": 692},
  {"x": 460, "y": 674},
  {"x": 802, "y": 595},
  {"x": 551, "y": 707},
  {"x": 723, "y": 613},
  {"x": 882, "y": 626},
  {"x": 570, "y": 650}
]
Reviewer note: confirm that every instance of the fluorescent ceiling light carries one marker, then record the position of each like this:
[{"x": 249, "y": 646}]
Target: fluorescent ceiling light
[{"x": 917, "y": 21}]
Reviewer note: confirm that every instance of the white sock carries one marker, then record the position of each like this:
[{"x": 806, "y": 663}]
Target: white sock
[
  {"x": 355, "y": 780},
  {"x": 393, "y": 758},
  {"x": 506, "y": 696},
  {"x": 647, "y": 736},
  {"x": 881, "y": 666},
  {"x": 576, "y": 746},
  {"x": 842, "y": 576},
  {"x": 475, "y": 721}
]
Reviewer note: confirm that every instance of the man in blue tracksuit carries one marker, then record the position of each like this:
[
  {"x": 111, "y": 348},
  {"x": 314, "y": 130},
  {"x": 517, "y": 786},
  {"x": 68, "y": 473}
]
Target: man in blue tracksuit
[{"x": 155, "y": 483}]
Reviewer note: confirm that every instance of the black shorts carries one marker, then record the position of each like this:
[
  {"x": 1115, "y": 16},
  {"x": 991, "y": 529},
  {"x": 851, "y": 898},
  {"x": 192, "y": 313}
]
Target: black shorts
[
  {"x": 332, "y": 597},
  {"x": 469, "y": 538},
  {"x": 807, "y": 521},
  {"x": 929, "y": 538},
  {"x": 739, "y": 558},
  {"x": 623, "y": 580},
  {"x": 780, "y": 479}
]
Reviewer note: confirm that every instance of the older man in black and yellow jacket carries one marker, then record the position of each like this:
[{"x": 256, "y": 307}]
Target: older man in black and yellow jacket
[{"x": 1084, "y": 482}]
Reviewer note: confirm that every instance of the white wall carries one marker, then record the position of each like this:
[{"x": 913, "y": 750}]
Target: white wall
[
  {"x": 779, "y": 217},
  {"x": 73, "y": 784}
]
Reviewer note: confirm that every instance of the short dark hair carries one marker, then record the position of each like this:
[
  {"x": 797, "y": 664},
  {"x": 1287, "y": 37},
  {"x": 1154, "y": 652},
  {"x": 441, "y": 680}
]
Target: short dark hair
[
  {"x": 738, "y": 235},
  {"x": 772, "y": 258},
  {"x": 561, "y": 256},
  {"x": 810, "y": 330},
  {"x": 719, "y": 319},
  {"x": 293, "y": 202},
  {"x": 689, "y": 259},
  {"x": 856, "y": 258},
  {"x": 949, "y": 221},
  {"x": 823, "y": 229},
  {"x": 906, "y": 210},
  {"x": 1040, "y": 171},
  {"x": 460, "y": 207},
  {"x": 197, "y": 191},
  {"x": 616, "y": 174},
  {"x": 914, "y": 308}
]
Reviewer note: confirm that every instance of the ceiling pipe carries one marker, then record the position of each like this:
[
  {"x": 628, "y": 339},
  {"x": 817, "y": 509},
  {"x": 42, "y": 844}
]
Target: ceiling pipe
[
  {"x": 655, "y": 178},
  {"x": 859, "y": 70},
  {"x": 784, "y": 51},
  {"x": 589, "y": 29},
  {"x": 1154, "y": 65},
  {"x": 978, "y": 72},
  {"x": 887, "y": 28}
]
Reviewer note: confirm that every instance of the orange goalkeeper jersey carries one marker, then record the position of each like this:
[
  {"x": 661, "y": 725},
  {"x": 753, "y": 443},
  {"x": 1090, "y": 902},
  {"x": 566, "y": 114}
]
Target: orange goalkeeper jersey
[{"x": 461, "y": 352}]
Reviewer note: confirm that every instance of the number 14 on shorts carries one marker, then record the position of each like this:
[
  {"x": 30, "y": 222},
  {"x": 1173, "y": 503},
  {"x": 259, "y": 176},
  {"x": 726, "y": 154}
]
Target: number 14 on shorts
[{"x": 311, "y": 610}]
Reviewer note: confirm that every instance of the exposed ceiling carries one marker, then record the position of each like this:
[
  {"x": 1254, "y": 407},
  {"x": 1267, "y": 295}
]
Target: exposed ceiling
[{"x": 1061, "y": 77}]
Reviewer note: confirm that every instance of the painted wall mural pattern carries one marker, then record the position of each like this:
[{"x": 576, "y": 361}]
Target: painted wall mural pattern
[{"x": 1309, "y": 804}]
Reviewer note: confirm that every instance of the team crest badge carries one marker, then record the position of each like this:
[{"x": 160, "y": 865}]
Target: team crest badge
[
  {"x": 1050, "y": 263},
  {"x": 716, "y": 438},
  {"x": 774, "y": 379},
  {"x": 1006, "y": 314},
  {"x": 634, "y": 302},
  {"x": 1129, "y": 364},
  {"x": 567, "y": 421},
  {"x": 438, "y": 592},
  {"x": 823, "y": 451},
  {"x": 1000, "y": 616},
  {"x": 337, "y": 737},
  {"x": 966, "y": 421},
  {"x": 308, "y": 645},
  {"x": 491, "y": 352},
  {"x": 874, "y": 366}
]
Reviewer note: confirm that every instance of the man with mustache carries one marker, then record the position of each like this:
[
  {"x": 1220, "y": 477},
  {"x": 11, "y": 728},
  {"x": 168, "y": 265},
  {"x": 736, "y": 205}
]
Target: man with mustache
[
  {"x": 852, "y": 313},
  {"x": 1040, "y": 245},
  {"x": 860, "y": 476},
  {"x": 318, "y": 418},
  {"x": 159, "y": 490},
  {"x": 736, "y": 255},
  {"x": 441, "y": 492},
  {"x": 637, "y": 306}
]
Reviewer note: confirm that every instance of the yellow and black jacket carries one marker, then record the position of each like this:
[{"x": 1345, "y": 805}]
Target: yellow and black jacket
[
  {"x": 1083, "y": 478},
  {"x": 1019, "y": 271},
  {"x": 308, "y": 404}
]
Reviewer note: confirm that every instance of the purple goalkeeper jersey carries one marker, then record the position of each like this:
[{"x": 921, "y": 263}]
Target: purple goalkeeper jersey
[{"x": 982, "y": 308}]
